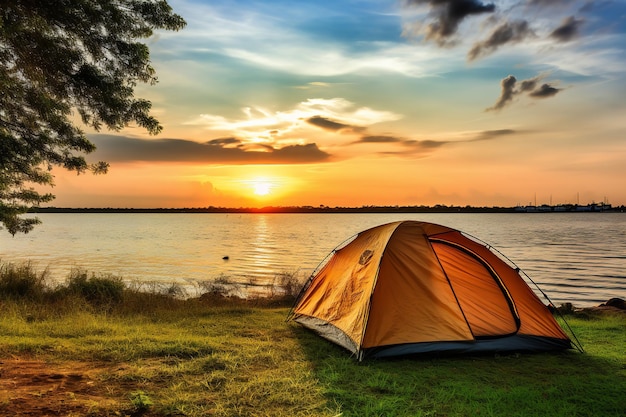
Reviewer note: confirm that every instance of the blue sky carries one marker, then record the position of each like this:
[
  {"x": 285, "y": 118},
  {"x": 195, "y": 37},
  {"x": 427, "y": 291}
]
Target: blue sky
[{"x": 376, "y": 102}]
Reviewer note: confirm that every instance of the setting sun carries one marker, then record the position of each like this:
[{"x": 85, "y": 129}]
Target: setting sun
[{"x": 262, "y": 188}]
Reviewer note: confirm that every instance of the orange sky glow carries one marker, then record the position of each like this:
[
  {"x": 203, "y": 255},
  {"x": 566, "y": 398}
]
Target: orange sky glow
[{"x": 365, "y": 103}]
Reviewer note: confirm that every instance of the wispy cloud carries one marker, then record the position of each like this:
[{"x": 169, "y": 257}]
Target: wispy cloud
[
  {"x": 286, "y": 126},
  {"x": 420, "y": 148},
  {"x": 380, "y": 139},
  {"x": 548, "y": 3},
  {"x": 389, "y": 144},
  {"x": 505, "y": 33},
  {"x": 291, "y": 41},
  {"x": 492, "y": 134}
]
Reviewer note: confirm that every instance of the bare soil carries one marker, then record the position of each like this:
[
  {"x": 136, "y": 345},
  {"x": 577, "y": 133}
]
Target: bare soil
[{"x": 34, "y": 388}]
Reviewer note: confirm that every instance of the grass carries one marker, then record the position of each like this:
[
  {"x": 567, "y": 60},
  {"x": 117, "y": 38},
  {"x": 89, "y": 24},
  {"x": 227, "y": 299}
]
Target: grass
[{"x": 152, "y": 354}]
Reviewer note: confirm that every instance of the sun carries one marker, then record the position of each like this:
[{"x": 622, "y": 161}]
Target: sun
[
  {"x": 264, "y": 188},
  {"x": 261, "y": 188}
]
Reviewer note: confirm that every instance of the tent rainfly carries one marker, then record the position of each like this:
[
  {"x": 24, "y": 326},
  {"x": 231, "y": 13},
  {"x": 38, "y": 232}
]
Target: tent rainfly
[{"x": 413, "y": 287}]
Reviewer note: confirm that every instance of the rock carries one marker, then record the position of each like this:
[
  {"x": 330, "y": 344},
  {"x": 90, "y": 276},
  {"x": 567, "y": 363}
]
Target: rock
[{"x": 616, "y": 303}]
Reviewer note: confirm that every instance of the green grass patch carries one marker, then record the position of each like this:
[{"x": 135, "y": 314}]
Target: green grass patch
[{"x": 157, "y": 355}]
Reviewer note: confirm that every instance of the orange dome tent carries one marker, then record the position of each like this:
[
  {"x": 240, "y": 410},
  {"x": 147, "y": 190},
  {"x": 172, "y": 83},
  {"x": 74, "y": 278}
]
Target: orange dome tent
[{"x": 414, "y": 287}]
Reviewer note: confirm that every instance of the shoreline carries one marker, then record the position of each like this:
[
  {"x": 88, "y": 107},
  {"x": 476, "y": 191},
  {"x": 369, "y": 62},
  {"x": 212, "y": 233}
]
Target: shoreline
[{"x": 565, "y": 208}]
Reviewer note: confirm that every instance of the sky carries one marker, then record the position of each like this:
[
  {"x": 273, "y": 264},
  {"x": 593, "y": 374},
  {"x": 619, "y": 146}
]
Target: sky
[{"x": 374, "y": 102}]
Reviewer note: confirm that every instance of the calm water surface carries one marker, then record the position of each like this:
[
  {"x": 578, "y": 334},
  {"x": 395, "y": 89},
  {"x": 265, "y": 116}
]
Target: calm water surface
[{"x": 574, "y": 257}]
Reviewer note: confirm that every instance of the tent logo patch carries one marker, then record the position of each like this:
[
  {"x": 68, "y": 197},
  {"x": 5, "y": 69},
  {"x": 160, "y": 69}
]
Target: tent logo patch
[{"x": 366, "y": 256}]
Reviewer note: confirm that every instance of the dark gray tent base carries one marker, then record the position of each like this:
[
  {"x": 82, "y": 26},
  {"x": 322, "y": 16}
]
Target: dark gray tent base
[
  {"x": 514, "y": 343},
  {"x": 511, "y": 343}
]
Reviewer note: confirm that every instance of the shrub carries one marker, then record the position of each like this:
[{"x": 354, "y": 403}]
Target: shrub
[
  {"x": 103, "y": 290},
  {"x": 22, "y": 281},
  {"x": 285, "y": 287},
  {"x": 289, "y": 283},
  {"x": 220, "y": 287}
]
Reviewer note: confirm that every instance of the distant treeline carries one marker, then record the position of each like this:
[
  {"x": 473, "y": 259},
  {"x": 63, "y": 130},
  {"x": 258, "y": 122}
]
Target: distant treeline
[{"x": 314, "y": 209}]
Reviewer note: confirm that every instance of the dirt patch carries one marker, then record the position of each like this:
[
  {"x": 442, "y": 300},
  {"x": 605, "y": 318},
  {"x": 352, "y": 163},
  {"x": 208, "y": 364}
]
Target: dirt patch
[{"x": 36, "y": 388}]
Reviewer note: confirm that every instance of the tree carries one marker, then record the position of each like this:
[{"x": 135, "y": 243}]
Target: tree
[{"x": 59, "y": 58}]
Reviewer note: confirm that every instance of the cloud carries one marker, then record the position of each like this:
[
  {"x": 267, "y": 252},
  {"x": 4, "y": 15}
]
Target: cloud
[
  {"x": 313, "y": 84},
  {"x": 308, "y": 153},
  {"x": 269, "y": 36},
  {"x": 532, "y": 26},
  {"x": 507, "y": 32},
  {"x": 424, "y": 145},
  {"x": 507, "y": 92},
  {"x": 331, "y": 125},
  {"x": 446, "y": 15},
  {"x": 400, "y": 146},
  {"x": 511, "y": 88},
  {"x": 528, "y": 85},
  {"x": 412, "y": 147},
  {"x": 380, "y": 139},
  {"x": 114, "y": 148},
  {"x": 568, "y": 30},
  {"x": 409, "y": 147},
  {"x": 492, "y": 134},
  {"x": 545, "y": 90},
  {"x": 547, "y": 3},
  {"x": 224, "y": 141},
  {"x": 258, "y": 125}
]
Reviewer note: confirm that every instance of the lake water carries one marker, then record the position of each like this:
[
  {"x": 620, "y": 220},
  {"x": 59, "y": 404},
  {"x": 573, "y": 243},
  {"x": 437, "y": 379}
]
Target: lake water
[{"x": 573, "y": 257}]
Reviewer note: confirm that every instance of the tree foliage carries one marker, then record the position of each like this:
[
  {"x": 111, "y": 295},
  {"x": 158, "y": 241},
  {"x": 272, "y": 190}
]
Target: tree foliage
[{"x": 59, "y": 59}]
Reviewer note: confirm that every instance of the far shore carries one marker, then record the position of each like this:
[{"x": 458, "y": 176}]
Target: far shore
[{"x": 561, "y": 208}]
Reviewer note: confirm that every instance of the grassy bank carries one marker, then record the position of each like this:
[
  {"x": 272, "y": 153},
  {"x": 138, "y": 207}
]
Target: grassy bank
[{"x": 69, "y": 352}]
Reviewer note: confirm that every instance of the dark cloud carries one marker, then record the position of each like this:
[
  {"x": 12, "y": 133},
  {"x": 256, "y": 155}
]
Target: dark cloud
[
  {"x": 568, "y": 30},
  {"x": 528, "y": 85},
  {"x": 410, "y": 147},
  {"x": 511, "y": 88},
  {"x": 507, "y": 92},
  {"x": 331, "y": 125},
  {"x": 419, "y": 148},
  {"x": 492, "y": 134},
  {"x": 399, "y": 146},
  {"x": 380, "y": 139},
  {"x": 547, "y": 3},
  {"x": 444, "y": 17},
  {"x": 224, "y": 141},
  {"x": 124, "y": 149},
  {"x": 545, "y": 90},
  {"x": 448, "y": 14},
  {"x": 299, "y": 154},
  {"x": 507, "y": 32},
  {"x": 425, "y": 144}
]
